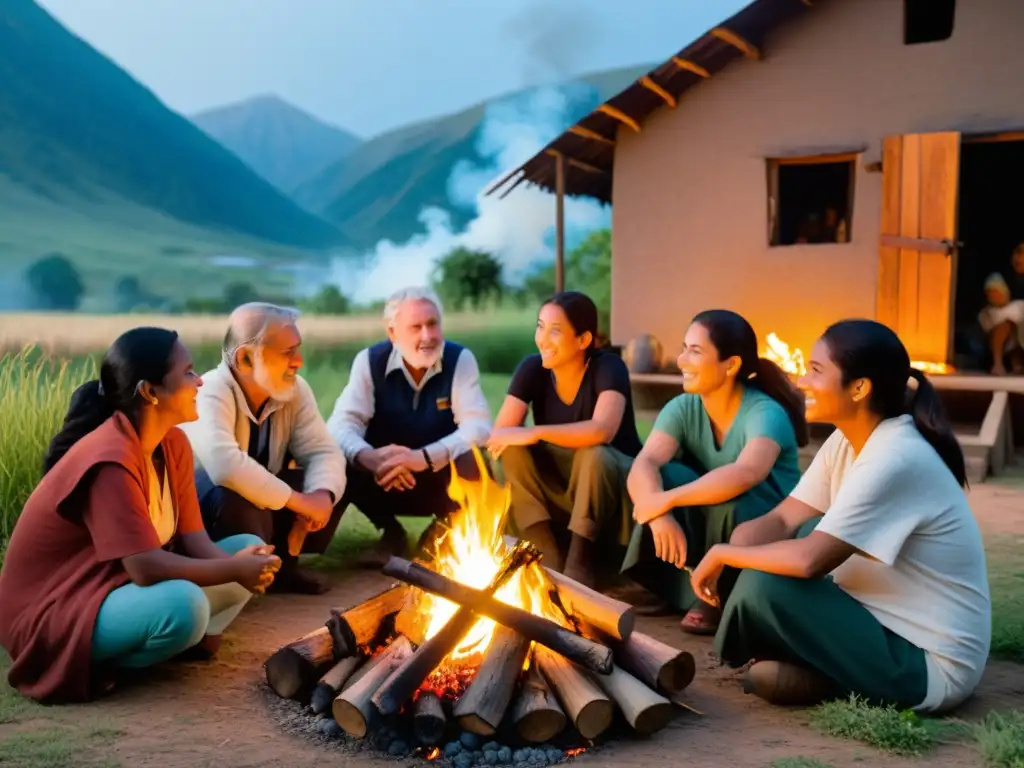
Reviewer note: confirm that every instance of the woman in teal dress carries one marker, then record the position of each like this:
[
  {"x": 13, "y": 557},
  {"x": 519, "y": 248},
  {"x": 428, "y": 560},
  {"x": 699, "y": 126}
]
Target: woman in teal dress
[{"x": 723, "y": 452}]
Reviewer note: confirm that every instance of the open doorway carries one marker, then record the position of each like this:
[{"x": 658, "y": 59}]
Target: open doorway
[{"x": 990, "y": 226}]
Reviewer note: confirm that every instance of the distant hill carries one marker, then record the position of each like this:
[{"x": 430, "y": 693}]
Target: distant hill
[
  {"x": 279, "y": 141},
  {"x": 75, "y": 127},
  {"x": 378, "y": 189}
]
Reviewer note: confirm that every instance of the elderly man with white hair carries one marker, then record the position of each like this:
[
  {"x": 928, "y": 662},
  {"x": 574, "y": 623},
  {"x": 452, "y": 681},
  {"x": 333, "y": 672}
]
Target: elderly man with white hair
[
  {"x": 413, "y": 406},
  {"x": 258, "y": 418}
]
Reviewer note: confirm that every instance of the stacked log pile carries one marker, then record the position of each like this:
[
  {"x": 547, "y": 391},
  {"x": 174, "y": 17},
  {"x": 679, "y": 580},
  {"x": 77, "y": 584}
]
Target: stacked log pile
[{"x": 536, "y": 681}]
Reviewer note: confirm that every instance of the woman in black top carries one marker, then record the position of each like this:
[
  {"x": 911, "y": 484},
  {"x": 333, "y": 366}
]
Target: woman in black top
[{"x": 574, "y": 460}]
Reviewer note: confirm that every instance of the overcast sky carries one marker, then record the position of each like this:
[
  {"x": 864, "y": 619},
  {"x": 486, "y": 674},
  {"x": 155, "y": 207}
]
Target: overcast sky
[{"x": 371, "y": 65}]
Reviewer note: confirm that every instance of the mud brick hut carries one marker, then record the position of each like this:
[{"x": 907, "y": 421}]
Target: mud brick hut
[{"x": 810, "y": 160}]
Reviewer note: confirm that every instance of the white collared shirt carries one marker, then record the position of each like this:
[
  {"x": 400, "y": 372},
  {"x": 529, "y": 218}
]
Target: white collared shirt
[{"x": 355, "y": 406}]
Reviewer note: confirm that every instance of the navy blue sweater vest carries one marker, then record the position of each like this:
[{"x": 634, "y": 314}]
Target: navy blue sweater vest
[{"x": 398, "y": 418}]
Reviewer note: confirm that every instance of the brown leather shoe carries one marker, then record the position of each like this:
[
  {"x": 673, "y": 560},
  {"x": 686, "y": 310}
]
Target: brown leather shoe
[{"x": 788, "y": 685}]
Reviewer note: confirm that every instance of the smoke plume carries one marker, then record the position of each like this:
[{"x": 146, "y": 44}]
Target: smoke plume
[{"x": 517, "y": 229}]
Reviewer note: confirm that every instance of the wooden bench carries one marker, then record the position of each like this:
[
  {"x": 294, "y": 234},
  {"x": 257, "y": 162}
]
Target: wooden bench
[{"x": 988, "y": 449}]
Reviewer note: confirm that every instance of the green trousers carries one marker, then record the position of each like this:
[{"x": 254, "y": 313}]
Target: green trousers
[
  {"x": 582, "y": 490},
  {"x": 703, "y": 526},
  {"x": 814, "y": 623}
]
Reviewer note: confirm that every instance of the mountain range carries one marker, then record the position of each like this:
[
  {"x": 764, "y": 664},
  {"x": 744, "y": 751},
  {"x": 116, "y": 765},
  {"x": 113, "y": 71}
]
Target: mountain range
[
  {"x": 281, "y": 142},
  {"x": 377, "y": 189},
  {"x": 94, "y": 166}
]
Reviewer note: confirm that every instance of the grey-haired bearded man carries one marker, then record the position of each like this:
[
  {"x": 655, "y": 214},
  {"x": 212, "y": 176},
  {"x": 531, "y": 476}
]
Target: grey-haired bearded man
[
  {"x": 413, "y": 407},
  {"x": 267, "y": 463}
]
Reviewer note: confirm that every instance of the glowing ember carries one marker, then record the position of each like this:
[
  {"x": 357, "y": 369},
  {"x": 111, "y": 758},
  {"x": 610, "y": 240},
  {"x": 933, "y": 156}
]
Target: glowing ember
[
  {"x": 574, "y": 752},
  {"x": 433, "y": 754},
  {"x": 470, "y": 551},
  {"x": 792, "y": 360}
]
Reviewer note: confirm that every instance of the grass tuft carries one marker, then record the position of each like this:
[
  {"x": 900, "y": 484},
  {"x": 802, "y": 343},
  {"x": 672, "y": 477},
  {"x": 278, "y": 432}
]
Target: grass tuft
[
  {"x": 1000, "y": 739},
  {"x": 901, "y": 732},
  {"x": 798, "y": 762}
]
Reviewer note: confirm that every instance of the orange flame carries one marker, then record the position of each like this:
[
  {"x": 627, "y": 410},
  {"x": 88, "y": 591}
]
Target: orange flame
[
  {"x": 792, "y": 360},
  {"x": 470, "y": 551}
]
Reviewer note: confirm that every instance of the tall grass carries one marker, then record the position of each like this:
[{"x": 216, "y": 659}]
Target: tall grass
[
  {"x": 36, "y": 385},
  {"x": 34, "y": 396}
]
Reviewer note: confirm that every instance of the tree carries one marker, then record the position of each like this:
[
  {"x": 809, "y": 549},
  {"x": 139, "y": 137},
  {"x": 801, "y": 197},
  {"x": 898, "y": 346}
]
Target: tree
[
  {"x": 328, "y": 301},
  {"x": 466, "y": 275},
  {"x": 128, "y": 293},
  {"x": 55, "y": 283},
  {"x": 588, "y": 268},
  {"x": 238, "y": 293}
]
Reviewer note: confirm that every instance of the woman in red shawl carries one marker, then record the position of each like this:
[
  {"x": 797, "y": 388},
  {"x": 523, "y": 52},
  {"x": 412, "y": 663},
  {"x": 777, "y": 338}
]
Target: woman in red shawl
[{"x": 109, "y": 565}]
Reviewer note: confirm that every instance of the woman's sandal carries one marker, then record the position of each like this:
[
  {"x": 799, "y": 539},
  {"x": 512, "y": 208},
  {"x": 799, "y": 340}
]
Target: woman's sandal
[{"x": 701, "y": 620}]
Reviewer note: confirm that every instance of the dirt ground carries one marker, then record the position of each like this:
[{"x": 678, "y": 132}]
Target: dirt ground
[{"x": 197, "y": 714}]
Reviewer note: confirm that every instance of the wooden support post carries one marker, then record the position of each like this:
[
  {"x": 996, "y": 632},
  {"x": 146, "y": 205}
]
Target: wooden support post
[{"x": 559, "y": 223}]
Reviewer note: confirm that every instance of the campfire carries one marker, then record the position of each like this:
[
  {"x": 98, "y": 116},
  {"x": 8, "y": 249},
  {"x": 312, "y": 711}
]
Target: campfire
[
  {"x": 792, "y": 360},
  {"x": 479, "y": 639}
]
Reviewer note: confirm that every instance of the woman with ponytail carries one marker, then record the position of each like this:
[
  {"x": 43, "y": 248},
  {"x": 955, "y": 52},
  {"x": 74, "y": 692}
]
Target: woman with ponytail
[
  {"x": 109, "y": 566},
  {"x": 870, "y": 578},
  {"x": 723, "y": 452},
  {"x": 572, "y": 463}
]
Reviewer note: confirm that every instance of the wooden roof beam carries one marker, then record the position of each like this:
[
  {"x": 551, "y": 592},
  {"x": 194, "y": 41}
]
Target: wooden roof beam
[
  {"x": 503, "y": 180},
  {"x": 652, "y": 86},
  {"x": 690, "y": 66},
  {"x": 619, "y": 115},
  {"x": 741, "y": 44},
  {"x": 586, "y": 133},
  {"x": 576, "y": 163}
]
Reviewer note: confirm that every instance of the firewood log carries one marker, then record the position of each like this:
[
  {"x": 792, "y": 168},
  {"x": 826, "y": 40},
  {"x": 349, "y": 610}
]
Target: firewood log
[
  {"x": 400, "y": 687},
  {"x": 352, "y": 709},
  {"x": 411, "y": 622},
  {"x": 428, "y": 719},
  {"x": 535, "y": 712},
  {"x": 332, "y": 681},
  {"x": 587, "y": 706},
  {"x": 662, "y": 667},
  {"x": 586, "y": 652},
  {"x": 482, "y": 705},
  {"x": 645, "y": 710},
  {"x": 357, "y": 627},
  {"x": 293, "y": 670},
  {"x": 614, "y": 618}
]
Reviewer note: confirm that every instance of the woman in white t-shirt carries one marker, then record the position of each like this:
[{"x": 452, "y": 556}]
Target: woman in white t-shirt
[{"x": 870, "y": 577}]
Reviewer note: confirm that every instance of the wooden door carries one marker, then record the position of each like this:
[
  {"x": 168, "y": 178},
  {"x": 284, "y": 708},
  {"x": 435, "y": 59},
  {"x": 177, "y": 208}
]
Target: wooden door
[{"x": 918, "y": 248}]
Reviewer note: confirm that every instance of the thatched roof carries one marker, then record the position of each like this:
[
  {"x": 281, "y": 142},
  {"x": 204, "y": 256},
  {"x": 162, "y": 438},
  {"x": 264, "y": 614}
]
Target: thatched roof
[{"x": 588, "y": 147}]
